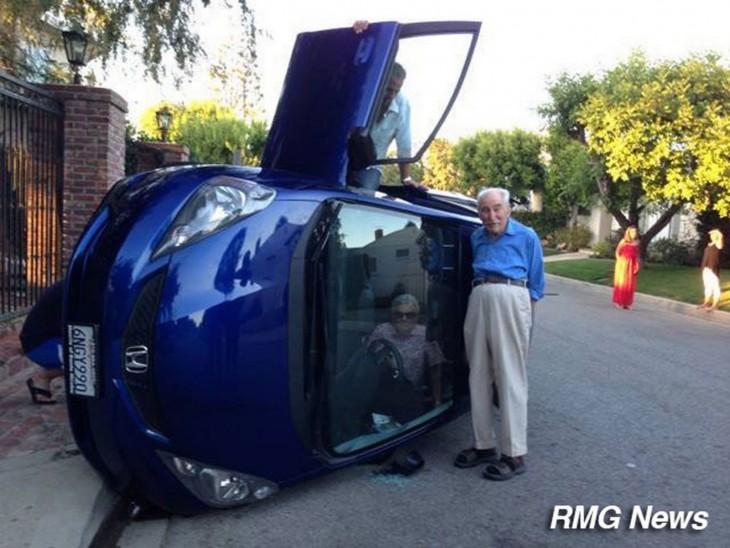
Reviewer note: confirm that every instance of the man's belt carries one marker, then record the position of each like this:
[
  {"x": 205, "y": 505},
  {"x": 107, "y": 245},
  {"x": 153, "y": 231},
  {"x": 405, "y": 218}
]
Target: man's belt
[{"x": 498, "y": 280}]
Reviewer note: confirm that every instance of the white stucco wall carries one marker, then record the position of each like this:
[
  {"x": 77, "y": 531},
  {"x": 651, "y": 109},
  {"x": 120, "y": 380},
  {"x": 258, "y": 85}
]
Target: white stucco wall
[{"x": 601, "y": 224}]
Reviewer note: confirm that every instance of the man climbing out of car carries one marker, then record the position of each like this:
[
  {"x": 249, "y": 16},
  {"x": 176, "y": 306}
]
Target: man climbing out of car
[{"x": 393, "y": 122}]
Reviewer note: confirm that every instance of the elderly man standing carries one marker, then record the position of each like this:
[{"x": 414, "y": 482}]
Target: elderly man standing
[{"x": 508, "y": 281}]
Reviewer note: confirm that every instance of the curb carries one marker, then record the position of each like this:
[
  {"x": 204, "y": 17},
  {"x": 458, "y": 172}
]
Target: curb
[
  {"x": 716, "y": 316},
  {"x": 103, "y": 513},
  {"x": 59, "y": 500}
]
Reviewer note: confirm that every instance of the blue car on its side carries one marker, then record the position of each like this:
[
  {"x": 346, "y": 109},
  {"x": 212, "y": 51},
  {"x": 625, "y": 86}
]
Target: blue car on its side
[{"x": 218, "y": 318}]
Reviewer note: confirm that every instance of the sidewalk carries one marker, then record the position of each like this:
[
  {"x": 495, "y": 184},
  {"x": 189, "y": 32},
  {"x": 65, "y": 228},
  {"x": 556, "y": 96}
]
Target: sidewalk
[
  {"x": 716, "y": 316},
  {"x": 50, "y": 495},
  {"x": 26, "y": 428},
  {"x": 567, "y": 256}
]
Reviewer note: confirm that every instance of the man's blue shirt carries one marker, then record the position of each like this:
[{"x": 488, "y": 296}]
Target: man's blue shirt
[
  {"x": 515, "y": 254},
  {"x": 395, "y": 124}
]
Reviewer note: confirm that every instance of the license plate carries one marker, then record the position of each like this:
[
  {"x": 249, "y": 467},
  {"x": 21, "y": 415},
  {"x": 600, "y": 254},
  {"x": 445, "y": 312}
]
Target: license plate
[{"x": 83, "y": 363}]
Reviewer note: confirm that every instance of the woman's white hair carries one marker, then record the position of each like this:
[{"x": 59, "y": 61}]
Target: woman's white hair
[
  {"x": 503, "y": 192},
  {"x": 405, "y": 299}
]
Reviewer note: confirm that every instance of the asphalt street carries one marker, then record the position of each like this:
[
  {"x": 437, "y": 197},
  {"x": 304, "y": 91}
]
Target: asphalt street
[{"x": 628, "y": 413}]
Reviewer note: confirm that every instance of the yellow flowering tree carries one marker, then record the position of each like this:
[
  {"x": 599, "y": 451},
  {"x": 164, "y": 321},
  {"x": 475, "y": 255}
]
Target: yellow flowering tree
[{"x": 663, "y": 131}]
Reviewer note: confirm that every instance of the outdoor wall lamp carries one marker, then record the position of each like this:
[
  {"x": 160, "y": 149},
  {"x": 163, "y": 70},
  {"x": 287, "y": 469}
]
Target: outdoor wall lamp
[
  {"x": 164, "y": 120},
  {"x": 76, "y": 45}
]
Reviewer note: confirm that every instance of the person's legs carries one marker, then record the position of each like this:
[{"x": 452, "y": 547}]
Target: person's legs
[
  {"x": 48, "y": 356},
  {"x": 45, "y": 376},
  {"x": 707, "y": 287},
  {"x": 711, "y": 284},
  {"x": 476, "y": 328},
  {"x": 511, "y": 327},
  {"x": 715, "y": 291}
]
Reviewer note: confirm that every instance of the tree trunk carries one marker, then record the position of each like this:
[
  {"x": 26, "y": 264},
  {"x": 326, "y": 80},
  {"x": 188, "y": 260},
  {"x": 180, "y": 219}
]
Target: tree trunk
[
  {"x": 574, "y": 216},
  {"x": 657, "y": 227},
  {"x": 606, "y": 191}
]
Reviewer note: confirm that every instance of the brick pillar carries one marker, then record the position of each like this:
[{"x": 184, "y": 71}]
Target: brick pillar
[
  {"x": 153, "y": 154},
  {"x": 93, "y": 153}
]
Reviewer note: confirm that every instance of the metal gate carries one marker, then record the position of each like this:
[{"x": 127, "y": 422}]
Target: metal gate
[{"x": 31, "y": 186}]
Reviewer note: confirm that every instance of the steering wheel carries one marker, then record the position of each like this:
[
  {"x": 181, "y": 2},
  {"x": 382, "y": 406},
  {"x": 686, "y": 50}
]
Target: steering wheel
[{"x": 386, "y": 355}]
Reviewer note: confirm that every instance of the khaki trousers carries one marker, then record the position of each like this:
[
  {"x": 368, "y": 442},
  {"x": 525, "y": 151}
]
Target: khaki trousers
[{"x": 497, "y": 336}]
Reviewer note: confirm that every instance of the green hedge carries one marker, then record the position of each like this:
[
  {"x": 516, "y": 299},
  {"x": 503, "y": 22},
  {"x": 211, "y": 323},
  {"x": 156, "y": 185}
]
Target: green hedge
[{"x": 542, "y": 222}]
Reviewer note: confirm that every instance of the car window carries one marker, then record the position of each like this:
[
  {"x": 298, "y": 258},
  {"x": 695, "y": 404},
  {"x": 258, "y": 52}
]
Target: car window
[
  {"x": 391, "y": 337},
  {"x": 433, "y": 65}
]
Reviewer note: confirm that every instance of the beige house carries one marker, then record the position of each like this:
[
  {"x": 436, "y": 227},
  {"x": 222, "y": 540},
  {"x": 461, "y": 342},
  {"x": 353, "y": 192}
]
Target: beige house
[
  {"x": 395, "y": 259},
  {"x": 601, "y": 224}
]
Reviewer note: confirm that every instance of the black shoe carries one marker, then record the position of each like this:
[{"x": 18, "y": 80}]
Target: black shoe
[{"x": 407, "y": 467}]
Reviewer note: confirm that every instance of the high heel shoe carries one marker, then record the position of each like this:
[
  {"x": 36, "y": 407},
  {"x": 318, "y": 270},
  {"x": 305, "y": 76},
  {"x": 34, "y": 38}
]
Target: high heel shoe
[{"x": 35, "y": 392}]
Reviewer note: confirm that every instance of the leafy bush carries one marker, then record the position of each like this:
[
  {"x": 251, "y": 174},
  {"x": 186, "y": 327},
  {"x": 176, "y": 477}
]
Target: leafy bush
[
  {"x": 607, "y": 248},
  {"x": 603, "y": 250},
  {"x": 214, "y": 141},
  {"x": 131, "y": 138},
  {"x": 573, "y": 238},
  {"x": 542, "y": 222},
  {"x": 680, "y": 253}
]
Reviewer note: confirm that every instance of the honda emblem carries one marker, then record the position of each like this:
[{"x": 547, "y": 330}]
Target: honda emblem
[{"x": 136, "y": 359}]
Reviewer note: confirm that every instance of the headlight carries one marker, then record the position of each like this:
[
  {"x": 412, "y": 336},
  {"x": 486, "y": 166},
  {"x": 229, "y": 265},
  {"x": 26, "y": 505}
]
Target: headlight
[
  {"x": 215, "y": 205},
  {"x": 218, "y": 487}
]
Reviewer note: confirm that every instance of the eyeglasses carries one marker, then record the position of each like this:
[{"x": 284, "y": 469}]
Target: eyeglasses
[{"x": 404, "y": 315}]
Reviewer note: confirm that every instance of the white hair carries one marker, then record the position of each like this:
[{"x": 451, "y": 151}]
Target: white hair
[
  {"x": 503, "y": 192},
  {"x": 405, "y": 299}
]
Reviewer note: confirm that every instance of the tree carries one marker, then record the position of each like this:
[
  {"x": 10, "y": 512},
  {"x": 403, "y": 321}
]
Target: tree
[
  {"x": 572, "y": 173},
  {"x": 207, "y": 110},
  {"x": 571, "y": 177},
  {"x": 159, "y": 33},
  {"x": 23, "y": 50},
  {"x": 391, "y": 173},
  {"x": 131, "y": 139},
  {"x": 667, "y": 125},
  {"x": 215, "y": 141},
  {"x": 440, "y": 172},
  {"x": 236, "y": 80},
  {"x": 658, "y": 135},
  {"x": 210, "y": 131},
  {"x": 569, "y": 93},
  {"x": 663, "y": 130},
  {"x": 507, "y": 159}
]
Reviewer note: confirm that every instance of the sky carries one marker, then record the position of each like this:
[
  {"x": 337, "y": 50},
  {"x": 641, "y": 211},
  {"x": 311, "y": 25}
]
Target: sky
[{"x": 522, "y": 44}]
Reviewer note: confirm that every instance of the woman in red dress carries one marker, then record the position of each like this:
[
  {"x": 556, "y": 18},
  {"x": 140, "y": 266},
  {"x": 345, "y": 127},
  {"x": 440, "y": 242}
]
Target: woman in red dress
[{"x": 627, "y": 267}]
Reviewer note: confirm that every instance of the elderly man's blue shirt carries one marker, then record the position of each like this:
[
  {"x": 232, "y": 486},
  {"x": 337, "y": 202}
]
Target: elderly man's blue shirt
[{"x": 515, "y": 254}]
